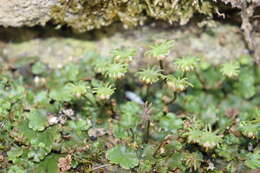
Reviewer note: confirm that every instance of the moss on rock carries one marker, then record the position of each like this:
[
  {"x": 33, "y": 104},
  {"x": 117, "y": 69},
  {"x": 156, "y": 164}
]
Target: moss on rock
[{"x": 84, "y": 15}]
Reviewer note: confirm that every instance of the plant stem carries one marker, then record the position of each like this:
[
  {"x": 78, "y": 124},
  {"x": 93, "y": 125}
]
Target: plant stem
[
  {"x": 110, "y": 104},
  {"x": 161, "y": 66},
  {"x": 99, "y": 167},
  {"x": 132, "y": 134},
  {"x": 202, "y": 81},
  {"x": 158, "y": 148},
  {"x": 174, "y": 97},
  {"x": 147, "y": 134},
  {"x": 147, "y": 92}
]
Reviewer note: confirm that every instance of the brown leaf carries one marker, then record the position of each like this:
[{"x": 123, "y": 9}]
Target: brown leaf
[{"x": 65, "y": 163}]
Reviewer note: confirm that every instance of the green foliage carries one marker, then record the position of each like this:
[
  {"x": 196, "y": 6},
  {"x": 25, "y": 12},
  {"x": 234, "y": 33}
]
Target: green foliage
[
  {"x": 115, "y": 70},
  {"x": 186, "y": 64},
  {"x": 80, "y": 125},
  {"x": 160, "y": 50},
  {"x": 38, "y": 119},
  {"x": 123, "y": 156},
  {"x": 16, "y": 169},
  {"x": 149, "y": 75},
  {"x": 14, "y": 154},
  {"x": 190, "y": 117},
  {"x": 104, "y": 92},
  {"x": 206, "y": 139},
  {"x": 230, "y": 69},
  {"x": 39, "y": 68},
  {"x": 177, "y": 84},
  {"x": 61, "y": 94},
  {"x": 123, "y": 55},
  {"x": 170, "y": 122},
  {"x": 253, "y": 160},
  {"x": 130, "y": 115}
]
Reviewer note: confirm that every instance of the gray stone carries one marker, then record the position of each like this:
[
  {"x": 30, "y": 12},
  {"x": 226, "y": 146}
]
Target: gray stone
[{"x": 16, "y": 13}]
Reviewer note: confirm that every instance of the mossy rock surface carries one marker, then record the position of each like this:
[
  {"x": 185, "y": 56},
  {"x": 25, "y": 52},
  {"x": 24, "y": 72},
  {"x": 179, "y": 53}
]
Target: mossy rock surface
[
  {"x": 85, "y": 15},
  {"x": 56, "y": 49}
]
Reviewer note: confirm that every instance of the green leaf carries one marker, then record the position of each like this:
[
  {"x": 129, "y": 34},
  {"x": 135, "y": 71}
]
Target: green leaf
[
  {"x": 177, "y": 84},
  {"x": 245, "y": 87},
  {"x": 123, "y": 55},
  {"x": 71, "y": 72},
  {"x": 187, "y": 64},
  {"x": 38, "y": 119},
  {"x": 104, "y": 92},
  {"x": 253, "y": 160},
  {"x": 46, "y": 139},
  {"x": 14, "y": 154},
  {"x": 176, "y": 161},
  {"x": 209, "y": 115},
  {"x": 24, "y": 132},
  {"x": 115, "y": 70},
  {"x": 230, "y": 69},
  {"x": 250, "y": 129},
  {"x": 16, "y": 169},
  {"x": 160, "y": 50},
  {"x": 206, "y": 139},
  {"x": 119, "y": 132},
  {"x": 39, "y": 68},
  {"x": 48, "y": 165},
  {"x": 123, "y": 156},
  {"x": 80, "y": 124},
  {"x": 149, "y": 75},
  {"x": 61, "y": 94},
  {"x": 131, "y": 113},
  {"x": 37, "y": 154},
  {"x": 77, "y": 89},
  {"x": 170, "y": 122}
]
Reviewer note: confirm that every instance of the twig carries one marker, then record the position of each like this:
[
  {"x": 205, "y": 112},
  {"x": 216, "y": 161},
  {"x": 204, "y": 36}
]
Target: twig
[{"x": 99, "y": 167}]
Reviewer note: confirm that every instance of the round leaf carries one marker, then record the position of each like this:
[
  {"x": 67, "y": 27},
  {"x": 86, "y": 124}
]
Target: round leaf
[{"x": 123, "y": 156}]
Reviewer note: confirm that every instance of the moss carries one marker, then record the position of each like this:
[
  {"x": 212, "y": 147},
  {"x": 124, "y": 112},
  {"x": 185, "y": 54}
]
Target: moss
[{"x": 84, "y": 15}]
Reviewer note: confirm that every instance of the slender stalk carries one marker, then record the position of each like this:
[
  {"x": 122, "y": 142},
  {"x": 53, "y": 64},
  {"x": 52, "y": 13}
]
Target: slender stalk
[
  {"x": 99, "y": 167},
  {"x": 202, "y": 81},
  {"x": 174, "y": 97},
  {"x": 132, "y": 134},
  {"x": 158, "y": 148},
  {"x": 112, "y": 109},
  {"x": 161, "y": 66},
  {"x": 147, "y": 134},
  {"x": 147, "y": 92}
]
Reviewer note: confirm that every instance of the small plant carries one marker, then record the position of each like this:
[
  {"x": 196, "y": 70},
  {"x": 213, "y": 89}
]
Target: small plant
[
  {"x": 115, "y": 70},
  {"x": 160, "y": 50},
  {"x": 104, "y": 92},
  {"x": 149, "y": 75},
  {"x": 177, "y": 84},
  {"x": 230, "y": 69},
  {"x": 187, "y": 64},
  {"x": 123, "y": 55},
  {"x": 206, "y": 139}
]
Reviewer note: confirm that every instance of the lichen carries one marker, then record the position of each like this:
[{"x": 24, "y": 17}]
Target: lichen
[{"x": 84, "y": 15}]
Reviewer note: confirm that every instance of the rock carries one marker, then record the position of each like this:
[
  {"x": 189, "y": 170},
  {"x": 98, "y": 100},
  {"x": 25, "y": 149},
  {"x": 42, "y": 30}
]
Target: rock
[
  {"x": 56, "y": 50},
  {"x": 17, "y": 13}
]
